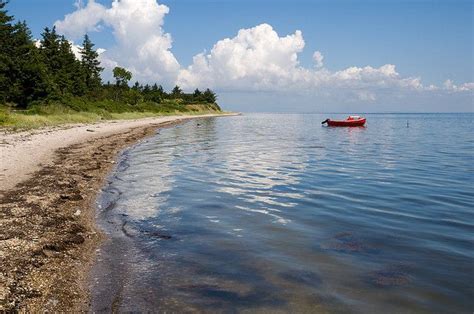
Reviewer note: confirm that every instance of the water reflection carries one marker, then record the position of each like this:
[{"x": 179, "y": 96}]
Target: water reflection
[{"x": 268, "y": 213}]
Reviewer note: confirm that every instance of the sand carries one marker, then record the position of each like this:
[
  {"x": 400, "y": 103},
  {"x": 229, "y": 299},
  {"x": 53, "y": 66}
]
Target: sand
[
  {"x": 23, "y": 153},
  {"x": 49, "y": 182}
]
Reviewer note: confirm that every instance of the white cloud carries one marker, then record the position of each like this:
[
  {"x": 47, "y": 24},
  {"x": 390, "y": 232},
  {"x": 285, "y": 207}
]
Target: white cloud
[
  {"x": 141, "y": 44},
  {"x": 76, "y": 50},
  {"x": 318, "y": 59},
  {"x": 255, "y": 59},
  {"x": 259, "y": 59},
  {"x": 450, "y": 86},
  {"x": 83, "y": 20}
]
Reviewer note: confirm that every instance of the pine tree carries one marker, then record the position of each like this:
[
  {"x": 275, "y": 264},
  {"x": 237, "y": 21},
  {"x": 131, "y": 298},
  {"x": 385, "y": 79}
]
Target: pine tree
[
  {"x": 197, "y": 95},
  {"x": 49, "y": 51},
  {"x": 91, "y": 64},
  {"x": 6, "y": 36},
  {"x": 29, "y": 77},
  {"x": 137, "y": 86},
  {"x": 22, "y": 75},
  {"x": 209, "y": 96},
  {"x": 156, "y": 93},
  {"x": 176, "y": 92},
  {"x": 68, "y": 77}
]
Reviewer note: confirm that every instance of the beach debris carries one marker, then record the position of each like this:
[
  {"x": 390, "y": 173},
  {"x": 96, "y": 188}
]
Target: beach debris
[
  {"x": 50, "y": 253},
  {"x": 89, "y": 130},
  {"x": 44, "y": 243},
  {"x": 74, "y": 239},
  {"x": 71, "y": 197},
  {"x": 87, "y": 176}
]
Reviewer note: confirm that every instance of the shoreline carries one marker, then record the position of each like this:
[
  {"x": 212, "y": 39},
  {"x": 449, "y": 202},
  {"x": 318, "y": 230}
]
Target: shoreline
[
  {"x": 26, "y": 152},
  {"x": 49, "y": 236}
]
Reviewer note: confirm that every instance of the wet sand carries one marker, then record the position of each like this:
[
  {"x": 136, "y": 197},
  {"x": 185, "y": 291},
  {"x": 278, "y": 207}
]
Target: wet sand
[{"x": 49, "y": 182}]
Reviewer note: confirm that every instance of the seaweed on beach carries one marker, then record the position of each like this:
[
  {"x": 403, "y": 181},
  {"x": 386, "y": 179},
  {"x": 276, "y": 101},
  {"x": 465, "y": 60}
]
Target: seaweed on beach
[{"x": 47, "y": 235}]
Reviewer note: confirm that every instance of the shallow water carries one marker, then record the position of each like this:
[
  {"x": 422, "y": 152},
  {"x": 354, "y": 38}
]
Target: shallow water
[{"x": 274, "y": 212}]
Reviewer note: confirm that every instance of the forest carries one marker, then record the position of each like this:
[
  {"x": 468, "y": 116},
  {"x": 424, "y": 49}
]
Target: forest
[{"x": 45, "y": 77}]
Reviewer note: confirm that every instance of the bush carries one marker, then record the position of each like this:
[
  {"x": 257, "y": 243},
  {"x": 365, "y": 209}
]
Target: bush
[{"x": 4, "y": 115}]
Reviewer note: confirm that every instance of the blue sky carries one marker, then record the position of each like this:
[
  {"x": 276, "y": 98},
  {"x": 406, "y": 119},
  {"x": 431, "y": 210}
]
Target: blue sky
[{"x": 430, "y": 40}]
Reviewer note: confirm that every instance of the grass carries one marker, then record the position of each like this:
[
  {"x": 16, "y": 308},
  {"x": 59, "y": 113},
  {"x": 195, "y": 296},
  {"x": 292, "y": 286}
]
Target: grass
[{"x": 85, "y": 112}]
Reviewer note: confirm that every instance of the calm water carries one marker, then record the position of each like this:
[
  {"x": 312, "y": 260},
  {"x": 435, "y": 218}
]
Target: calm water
[{"x": 276, "y": 213}]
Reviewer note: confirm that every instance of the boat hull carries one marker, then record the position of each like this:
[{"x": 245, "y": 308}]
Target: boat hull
[{"x": 347, "y": 123}]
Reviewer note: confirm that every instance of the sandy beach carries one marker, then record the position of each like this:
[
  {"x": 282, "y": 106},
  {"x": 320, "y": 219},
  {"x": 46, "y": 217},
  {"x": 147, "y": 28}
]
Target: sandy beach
[{"x": 49, "y": 182}]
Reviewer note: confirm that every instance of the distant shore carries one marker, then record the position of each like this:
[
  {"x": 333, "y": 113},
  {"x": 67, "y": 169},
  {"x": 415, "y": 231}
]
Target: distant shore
[{"x": 49, "y": 182}]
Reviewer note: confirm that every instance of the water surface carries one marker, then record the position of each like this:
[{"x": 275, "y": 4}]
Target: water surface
[{"x": 274, "y": 212}]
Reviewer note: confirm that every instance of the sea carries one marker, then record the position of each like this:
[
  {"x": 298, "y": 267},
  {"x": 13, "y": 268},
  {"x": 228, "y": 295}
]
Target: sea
[{"x": 276, "y": 213}]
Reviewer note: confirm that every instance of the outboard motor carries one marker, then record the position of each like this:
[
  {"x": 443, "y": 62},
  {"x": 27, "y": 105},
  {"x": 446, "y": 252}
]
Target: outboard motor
[{"x": 325, "y": 121}]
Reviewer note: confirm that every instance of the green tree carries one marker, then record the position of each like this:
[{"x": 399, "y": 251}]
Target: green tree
[
  {"x": 69, "y": 77},
  {"x": 22, "y": 74},
  {"x": 176, "y": 92},
  {"x": 90, "y": 64},
  {"x": 50, "y": 57},
  {"x": 29, "y": 76},
  {"x": 197, "y": 95},
  {"x": 133, "y": 97},
  {"x": 6, "y": 43},
  {"x": 137, "y": 86},
  {"x": 122, "y": 76},
  {"x": 209, "y": 96},
  {"x": 156, "y": 93}
]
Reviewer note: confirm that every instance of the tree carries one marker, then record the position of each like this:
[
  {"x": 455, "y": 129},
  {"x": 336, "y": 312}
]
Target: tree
[
  {"x": 6, "y": 42},
  {"x": 137, "y": 86},
  {"x": 49, "y": 70},
  {"x": 176, "y": 92},
  {"x": 90, "y": 64},
  {"x": 197, "y": 95},
  {"x": 29, "y": 76},
  {"x": 69, "y": 77},
  {"x": 50, "y": 57},
  {"x": 22, "y": 74},
  {"x": 49, "y": 46},
  {"x": 209, "y": 96},
  {"x": 133, "y": 97},
  {"x": 122, "y": 76},
  {"x": 153, "y": 93}
]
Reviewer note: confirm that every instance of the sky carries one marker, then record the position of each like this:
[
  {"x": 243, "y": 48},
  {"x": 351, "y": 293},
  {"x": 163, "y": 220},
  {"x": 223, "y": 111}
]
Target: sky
[{"x": 281, "y": 55}]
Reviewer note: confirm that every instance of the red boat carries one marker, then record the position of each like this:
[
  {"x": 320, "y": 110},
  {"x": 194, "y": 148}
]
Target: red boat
[{"x": 350, "y": 121}]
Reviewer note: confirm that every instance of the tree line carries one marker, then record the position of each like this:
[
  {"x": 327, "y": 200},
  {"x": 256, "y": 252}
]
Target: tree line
[{"x": 36, "y": 72}]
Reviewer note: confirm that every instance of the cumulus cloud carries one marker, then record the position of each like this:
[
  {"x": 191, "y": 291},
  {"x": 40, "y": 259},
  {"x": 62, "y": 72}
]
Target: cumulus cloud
[
  {"x": 318, "y": 59},
  {"x": 259, "y": 59},
  {"x": 141, "y": 44},
  {"x": 83, "y": 20},
  {"x": 450, "y": 86},
  {"x": 255, "y": 59}
]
